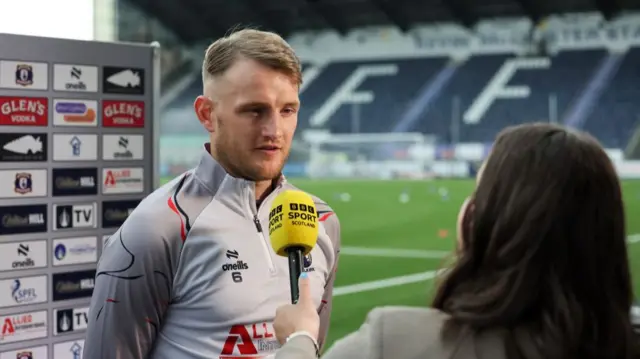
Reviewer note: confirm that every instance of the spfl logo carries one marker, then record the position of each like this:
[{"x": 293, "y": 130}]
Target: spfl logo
[
  {"x": 23, "y": 183},
  {"x": 20, "y": 295}
]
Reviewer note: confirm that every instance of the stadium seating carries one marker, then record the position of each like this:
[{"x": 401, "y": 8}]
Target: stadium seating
[
  {"x": 588, "y": 88},
  {"x": 617, "y": 114}
]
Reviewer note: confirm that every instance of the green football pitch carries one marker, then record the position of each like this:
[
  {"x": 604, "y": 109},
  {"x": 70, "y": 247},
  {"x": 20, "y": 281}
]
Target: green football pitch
[{"x": 395, "y": 234}]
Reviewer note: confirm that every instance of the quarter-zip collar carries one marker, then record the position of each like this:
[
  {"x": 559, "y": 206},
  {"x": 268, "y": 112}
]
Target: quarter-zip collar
[{"x": 236, "y": 192}]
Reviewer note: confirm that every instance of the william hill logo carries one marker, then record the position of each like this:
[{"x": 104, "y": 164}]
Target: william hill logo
[{"x": 239, "y": 265}]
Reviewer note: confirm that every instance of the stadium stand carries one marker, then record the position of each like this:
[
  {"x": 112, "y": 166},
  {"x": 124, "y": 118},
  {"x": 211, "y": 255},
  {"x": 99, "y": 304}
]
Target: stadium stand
[{"x": 412, "y": 86}]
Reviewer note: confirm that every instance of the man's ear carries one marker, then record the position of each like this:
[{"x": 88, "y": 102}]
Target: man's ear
[{"x": 203, "y": 107}]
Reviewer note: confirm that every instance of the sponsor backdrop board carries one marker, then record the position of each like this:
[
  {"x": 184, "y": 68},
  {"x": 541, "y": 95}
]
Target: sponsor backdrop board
[{"x": 77, "y": 155}]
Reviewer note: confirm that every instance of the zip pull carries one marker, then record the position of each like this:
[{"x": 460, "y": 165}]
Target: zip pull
[{"x": 256, "y": 221}]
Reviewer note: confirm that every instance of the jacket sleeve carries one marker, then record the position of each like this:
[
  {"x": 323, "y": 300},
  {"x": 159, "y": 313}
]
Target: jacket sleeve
[
  {"x": 132, "y": 292},
  {"x": 365, "y": 343},
  {"x": 332, "y": 226}
]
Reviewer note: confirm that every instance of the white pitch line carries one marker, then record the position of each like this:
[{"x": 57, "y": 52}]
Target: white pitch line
[
  {"x": 384, "y": 283},
  {"x": 405, "y": 279},
  {"x": 393, "y": 253}
]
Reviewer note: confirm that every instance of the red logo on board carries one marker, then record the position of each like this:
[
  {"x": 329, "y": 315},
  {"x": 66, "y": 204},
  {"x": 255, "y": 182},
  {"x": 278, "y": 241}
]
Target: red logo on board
[
  {"x": 122, "y": 113},
  {"x": 24, "y": 111}
]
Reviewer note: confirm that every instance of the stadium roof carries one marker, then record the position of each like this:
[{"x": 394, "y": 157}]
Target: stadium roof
[{"x": 198, "y": 20}]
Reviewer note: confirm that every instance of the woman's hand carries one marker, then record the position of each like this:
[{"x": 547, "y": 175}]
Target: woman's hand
[{"x": 302, "y": 316}]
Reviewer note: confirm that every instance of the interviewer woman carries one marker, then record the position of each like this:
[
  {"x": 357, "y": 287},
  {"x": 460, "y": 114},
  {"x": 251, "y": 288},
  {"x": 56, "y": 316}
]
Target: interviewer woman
[{"x": 541, "y": 269}]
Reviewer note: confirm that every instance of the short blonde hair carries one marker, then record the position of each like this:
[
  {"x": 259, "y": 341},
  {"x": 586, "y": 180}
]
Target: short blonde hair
[{"x": 267, "y": 48}]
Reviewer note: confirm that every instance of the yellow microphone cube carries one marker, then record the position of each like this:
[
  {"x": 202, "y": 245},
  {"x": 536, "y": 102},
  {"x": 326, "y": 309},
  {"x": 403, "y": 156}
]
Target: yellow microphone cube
[{"x": 293, "y": 222}]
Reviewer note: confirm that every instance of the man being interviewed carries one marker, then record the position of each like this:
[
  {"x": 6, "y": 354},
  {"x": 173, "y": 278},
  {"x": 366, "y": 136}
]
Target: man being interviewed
[{"x": 191, "y": 273}]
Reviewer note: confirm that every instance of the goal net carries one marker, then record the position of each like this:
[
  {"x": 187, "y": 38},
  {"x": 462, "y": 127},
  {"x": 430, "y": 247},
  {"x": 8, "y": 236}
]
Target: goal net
[{"x": 360, "y": 155}]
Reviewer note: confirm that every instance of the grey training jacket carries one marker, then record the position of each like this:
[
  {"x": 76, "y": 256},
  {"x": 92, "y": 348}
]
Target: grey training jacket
[{"x": 191, "y": 273}]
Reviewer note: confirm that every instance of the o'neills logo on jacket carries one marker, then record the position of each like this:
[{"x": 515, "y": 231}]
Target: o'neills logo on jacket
[
  {"x": 23, "y": 111},
  {"x": 117, "y": 113}
]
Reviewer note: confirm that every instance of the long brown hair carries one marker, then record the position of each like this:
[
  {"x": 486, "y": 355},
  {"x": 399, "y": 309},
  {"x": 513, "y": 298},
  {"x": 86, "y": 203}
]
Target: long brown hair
[{"x": 545, "y": 251}]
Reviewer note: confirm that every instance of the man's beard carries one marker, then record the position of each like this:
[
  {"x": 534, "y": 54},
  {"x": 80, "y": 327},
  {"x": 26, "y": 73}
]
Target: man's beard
[{"x": 234, "y": 167}]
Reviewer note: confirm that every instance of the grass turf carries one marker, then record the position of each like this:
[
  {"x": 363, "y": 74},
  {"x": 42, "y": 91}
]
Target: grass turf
[{"x": 375, "y": 217}]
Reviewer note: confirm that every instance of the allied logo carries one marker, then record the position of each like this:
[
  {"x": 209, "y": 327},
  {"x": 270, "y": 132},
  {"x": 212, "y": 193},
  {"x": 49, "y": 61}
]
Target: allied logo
[
  {"x": 75, "y": 181},
  {"x": 23, "y": 147},
  {"x": 249, "y": 341},
  {"x": 74, "y": 216},
  {"x": 78, "y": 113},
  {"x": 115, "y": 213},
  {"x": 24, "y": 111},
  {"x": 123, "y": 80},
  {"x": 122, "y": 113},
  {"x": 23, "y": 219},
  {"x": 23, "y": 326},
  {"x": 122, "y": 180}
]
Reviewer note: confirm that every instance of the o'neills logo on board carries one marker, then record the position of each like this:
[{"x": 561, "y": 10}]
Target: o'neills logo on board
[
  {"x": 23, "y": 111},
  {"x": 117, "y": 113}
]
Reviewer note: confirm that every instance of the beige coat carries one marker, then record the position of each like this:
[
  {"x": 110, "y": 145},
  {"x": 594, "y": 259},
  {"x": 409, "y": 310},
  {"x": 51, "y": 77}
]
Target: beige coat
[{"x": 399, "y": 333}]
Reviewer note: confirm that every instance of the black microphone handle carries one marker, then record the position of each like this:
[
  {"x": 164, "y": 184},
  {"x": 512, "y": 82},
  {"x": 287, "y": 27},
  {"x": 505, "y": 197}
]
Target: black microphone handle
[{"x": 295, "y": 269}]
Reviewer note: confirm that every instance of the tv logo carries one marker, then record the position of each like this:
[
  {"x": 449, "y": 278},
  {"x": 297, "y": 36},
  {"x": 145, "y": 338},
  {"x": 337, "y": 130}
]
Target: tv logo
[
  {"x": 70, "y": 320},
  {"x": 73, "y": 216}
]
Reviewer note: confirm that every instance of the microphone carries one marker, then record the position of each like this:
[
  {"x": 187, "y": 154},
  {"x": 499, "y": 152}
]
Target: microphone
[{"x": 293, "y": 230}]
